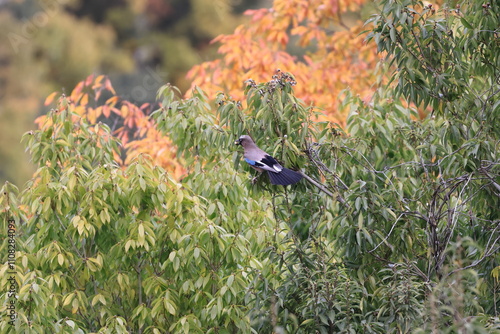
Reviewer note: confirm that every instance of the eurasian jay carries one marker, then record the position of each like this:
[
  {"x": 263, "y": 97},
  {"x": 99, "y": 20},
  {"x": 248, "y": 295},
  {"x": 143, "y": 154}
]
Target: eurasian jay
[{"x": 261, "y": 161}]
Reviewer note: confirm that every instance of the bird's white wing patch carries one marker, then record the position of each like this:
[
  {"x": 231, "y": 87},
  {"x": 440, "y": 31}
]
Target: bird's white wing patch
[{"x": 277, "y": 168}]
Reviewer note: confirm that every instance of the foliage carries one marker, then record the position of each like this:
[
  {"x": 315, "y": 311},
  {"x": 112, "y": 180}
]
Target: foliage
[
  {"x": 164, "y": 248},
  {"x": 310, "y": 39},
  {"x": 52, "y": 45},
  {"x": 38, "y": 57},
  {"x": 397, "y": 232},
  {"x": 129, "y": 123}
]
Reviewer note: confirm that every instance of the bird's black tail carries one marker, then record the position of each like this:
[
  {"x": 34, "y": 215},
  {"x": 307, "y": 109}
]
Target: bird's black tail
[{"x": 285, "y": 177}]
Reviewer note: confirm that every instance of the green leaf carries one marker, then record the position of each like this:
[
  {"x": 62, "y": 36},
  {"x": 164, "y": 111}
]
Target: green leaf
[
  {"x": 392, "y": 33},
  {"x": 169, "y": 306},
  {"x": 230, "y": 280},
  {"x": 465, "y": 23}
]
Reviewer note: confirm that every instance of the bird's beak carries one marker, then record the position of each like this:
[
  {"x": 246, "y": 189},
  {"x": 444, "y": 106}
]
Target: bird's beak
[{"x": 237, "y": 142}]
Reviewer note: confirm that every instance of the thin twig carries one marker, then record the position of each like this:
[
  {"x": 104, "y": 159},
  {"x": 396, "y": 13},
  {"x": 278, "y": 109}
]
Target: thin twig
[
  {"x": 324, "y": 189},
  {"x": 454, "y": 219},
  {"x": 317, "y": 184},
  {"x": 485, "y": 172},
  {"x": 387, "y": 237}
]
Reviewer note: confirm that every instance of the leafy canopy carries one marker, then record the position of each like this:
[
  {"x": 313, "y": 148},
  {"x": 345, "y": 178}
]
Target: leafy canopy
[{"x": 404, "y": 240}]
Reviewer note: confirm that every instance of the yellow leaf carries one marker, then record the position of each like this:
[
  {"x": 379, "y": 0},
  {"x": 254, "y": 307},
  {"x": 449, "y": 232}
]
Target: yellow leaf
[
  {"x": 98, "y": 298},
  {"x": 95, "y": 300},
  {"x": 75, "y": 305},
  {"x": 60, "y": 259},
  {"x": 50, "y": 98},
  {"x": 496, "y": 273},
  {"x": 75, "y": 221},
  {"x": 68, "y": 299},
  {"x": 169, "y": 306},
  {"x": 141, "y": 230},
  {"x": 102, "y": 299},
  {"x": 128, "y": 244}
]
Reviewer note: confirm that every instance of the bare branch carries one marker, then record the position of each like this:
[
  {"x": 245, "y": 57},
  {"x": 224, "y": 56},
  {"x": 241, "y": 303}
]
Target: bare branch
[{"x": 324, "y": 189}]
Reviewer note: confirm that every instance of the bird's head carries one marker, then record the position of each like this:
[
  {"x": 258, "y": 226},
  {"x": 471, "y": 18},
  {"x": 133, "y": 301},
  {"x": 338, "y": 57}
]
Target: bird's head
[{"x": 243, "y": 140}]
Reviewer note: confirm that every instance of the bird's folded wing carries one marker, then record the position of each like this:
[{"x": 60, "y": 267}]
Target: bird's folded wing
[{"x": 267, "y": 163}]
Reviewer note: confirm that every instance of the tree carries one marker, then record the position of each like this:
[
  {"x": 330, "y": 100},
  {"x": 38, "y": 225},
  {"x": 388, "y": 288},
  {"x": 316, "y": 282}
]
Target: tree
[
  {"x": 40, "y": 54},
  {"x": 128, "y": 123},
  {"x": 311, "y": 39},
  {"x": 52, "y": 45},
  {"x": 406, "y": 238}
]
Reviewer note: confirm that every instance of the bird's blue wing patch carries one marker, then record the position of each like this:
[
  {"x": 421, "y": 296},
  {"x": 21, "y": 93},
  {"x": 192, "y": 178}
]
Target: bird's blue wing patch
[
  {"x": 260, "y": 164},
  {"x": 251, "y": 162}
]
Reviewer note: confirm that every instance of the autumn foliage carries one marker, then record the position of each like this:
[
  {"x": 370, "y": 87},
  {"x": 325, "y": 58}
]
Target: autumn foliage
[
  {"x": 128, "y": 122},
  {"x": 306, "y": 38},
  {"x": 394, "y": 229}
]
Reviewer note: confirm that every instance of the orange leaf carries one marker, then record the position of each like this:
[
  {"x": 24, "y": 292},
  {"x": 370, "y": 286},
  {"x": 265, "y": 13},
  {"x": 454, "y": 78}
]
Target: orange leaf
[
  {"x": 77, "y": 90},
  {"x": 91, "y": 116},
  {"x": 98, "y": 94},
  {"x": 50, "y": 98},
  {"x": 300, "y": 30},
  {"x": 98, "y": 111},
  {"x": 85, "y": 100},
  {"x": 106, "y": 111},
  {"x": 80, "y": 110},
  {"x": 40, "y": 120},
  {"x": 112, "y": 101},
  {"x": 108, "y": 86},
  {"x": 124, "y": 111},
  {"x": 97, "y": 81},
  {"x": 89, "y": 80}
]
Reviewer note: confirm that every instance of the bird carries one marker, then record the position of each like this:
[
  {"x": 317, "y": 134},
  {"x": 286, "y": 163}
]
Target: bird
[{"x": 261, "y": 161}]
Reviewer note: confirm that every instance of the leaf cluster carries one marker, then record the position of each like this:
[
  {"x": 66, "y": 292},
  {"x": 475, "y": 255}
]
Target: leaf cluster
[{"x": 397, "y": 232}]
